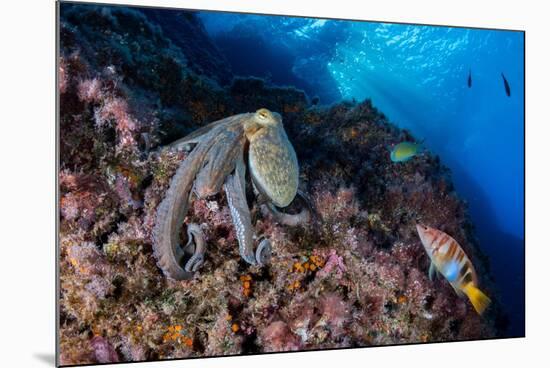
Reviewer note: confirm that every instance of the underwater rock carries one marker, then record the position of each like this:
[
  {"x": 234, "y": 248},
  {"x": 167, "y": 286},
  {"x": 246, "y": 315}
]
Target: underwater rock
[{"x": 187, "y": 32}]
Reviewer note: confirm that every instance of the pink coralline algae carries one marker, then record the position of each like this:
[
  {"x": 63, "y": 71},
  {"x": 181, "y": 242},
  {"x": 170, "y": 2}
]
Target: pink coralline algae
[
  {"x": 116, "y": 109},
  {"x": 104, "y": 352},
  {"x": 89, "y": 90},
  {"x": 335, "y": 313},
  {"x": 216, "y": 217},
  {"x": 122, "y": 188},
  {"x": 334, "y": 265},
  {"x": 62, "y": 76},
  {"x": 278, "y": 337},
  {"x": 337, "y": 206}
]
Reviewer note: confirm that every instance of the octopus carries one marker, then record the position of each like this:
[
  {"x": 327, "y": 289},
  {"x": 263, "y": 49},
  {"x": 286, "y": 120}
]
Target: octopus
[{"x": 218, "y": 158}]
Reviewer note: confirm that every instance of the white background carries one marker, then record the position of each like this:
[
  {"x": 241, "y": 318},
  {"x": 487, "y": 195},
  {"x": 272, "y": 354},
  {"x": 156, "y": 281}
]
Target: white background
[{"x": 27, "y": 186}]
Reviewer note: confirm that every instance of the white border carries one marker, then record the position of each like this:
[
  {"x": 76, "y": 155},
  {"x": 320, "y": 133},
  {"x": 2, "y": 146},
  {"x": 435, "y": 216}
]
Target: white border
[{"x": 28, "y": 181}]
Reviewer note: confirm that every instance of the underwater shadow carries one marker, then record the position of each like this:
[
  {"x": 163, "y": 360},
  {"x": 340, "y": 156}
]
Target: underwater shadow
[{"x": 506, "y": 252}]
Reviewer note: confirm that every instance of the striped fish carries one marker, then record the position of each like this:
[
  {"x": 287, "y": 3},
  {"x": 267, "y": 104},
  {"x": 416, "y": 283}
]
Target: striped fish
[{"x": 449, "y": 259}]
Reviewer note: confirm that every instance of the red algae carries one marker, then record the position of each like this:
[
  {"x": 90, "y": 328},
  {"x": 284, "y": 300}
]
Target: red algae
[
  {"x": 103, "y": 351},
  {"x": 278, "y": 337}
]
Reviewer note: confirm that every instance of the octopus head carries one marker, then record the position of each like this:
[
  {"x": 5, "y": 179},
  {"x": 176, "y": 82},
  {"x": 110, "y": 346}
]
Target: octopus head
[{"x": 272, "y": 160}]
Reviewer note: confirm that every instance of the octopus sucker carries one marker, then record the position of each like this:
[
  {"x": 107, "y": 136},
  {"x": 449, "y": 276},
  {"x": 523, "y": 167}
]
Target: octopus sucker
[
  {"x": 240, "y": 214},
  {"x": 217, "y": 160}
]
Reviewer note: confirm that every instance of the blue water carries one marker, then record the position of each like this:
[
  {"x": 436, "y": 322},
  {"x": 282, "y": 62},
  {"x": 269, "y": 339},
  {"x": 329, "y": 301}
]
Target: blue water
[{"x": 417, "y": 76}]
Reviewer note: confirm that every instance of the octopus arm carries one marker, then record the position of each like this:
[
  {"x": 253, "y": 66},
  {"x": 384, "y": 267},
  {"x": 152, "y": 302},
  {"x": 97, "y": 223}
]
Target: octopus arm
[
  {"x": 220, "y": 161},
  {"x": 301, "y": 218},
  {"x": 208, "y": 131},
  {"x": 171, "y": 213},
  {"x": 234, "y": 188}
]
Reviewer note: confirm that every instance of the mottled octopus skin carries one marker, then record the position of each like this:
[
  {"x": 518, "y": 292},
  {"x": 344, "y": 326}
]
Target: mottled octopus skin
[
  {"x": 217, "y": 161},
  {"x": 273, "y": 164}
]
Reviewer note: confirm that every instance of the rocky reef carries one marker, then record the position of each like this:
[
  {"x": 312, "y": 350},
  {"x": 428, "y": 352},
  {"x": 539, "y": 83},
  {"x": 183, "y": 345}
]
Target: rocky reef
[{"x": 356, "y": 276}]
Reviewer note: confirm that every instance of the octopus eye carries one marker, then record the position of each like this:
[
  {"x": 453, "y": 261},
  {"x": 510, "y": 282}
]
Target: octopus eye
[{"x": 262, "y": 114}]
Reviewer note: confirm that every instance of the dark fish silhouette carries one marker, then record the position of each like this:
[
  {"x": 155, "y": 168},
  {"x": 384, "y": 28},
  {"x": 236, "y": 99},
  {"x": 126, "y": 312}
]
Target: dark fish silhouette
[
  {"x": 470, "y": 79},
  {"x": 506, "y": 85},
  {"x": 315, "y": 100}
]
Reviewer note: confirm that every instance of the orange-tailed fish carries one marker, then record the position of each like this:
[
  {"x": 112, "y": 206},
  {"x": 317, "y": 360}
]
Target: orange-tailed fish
[
  {"x": 449, "y": 259},
  {"x": 404, "y": 151}
]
